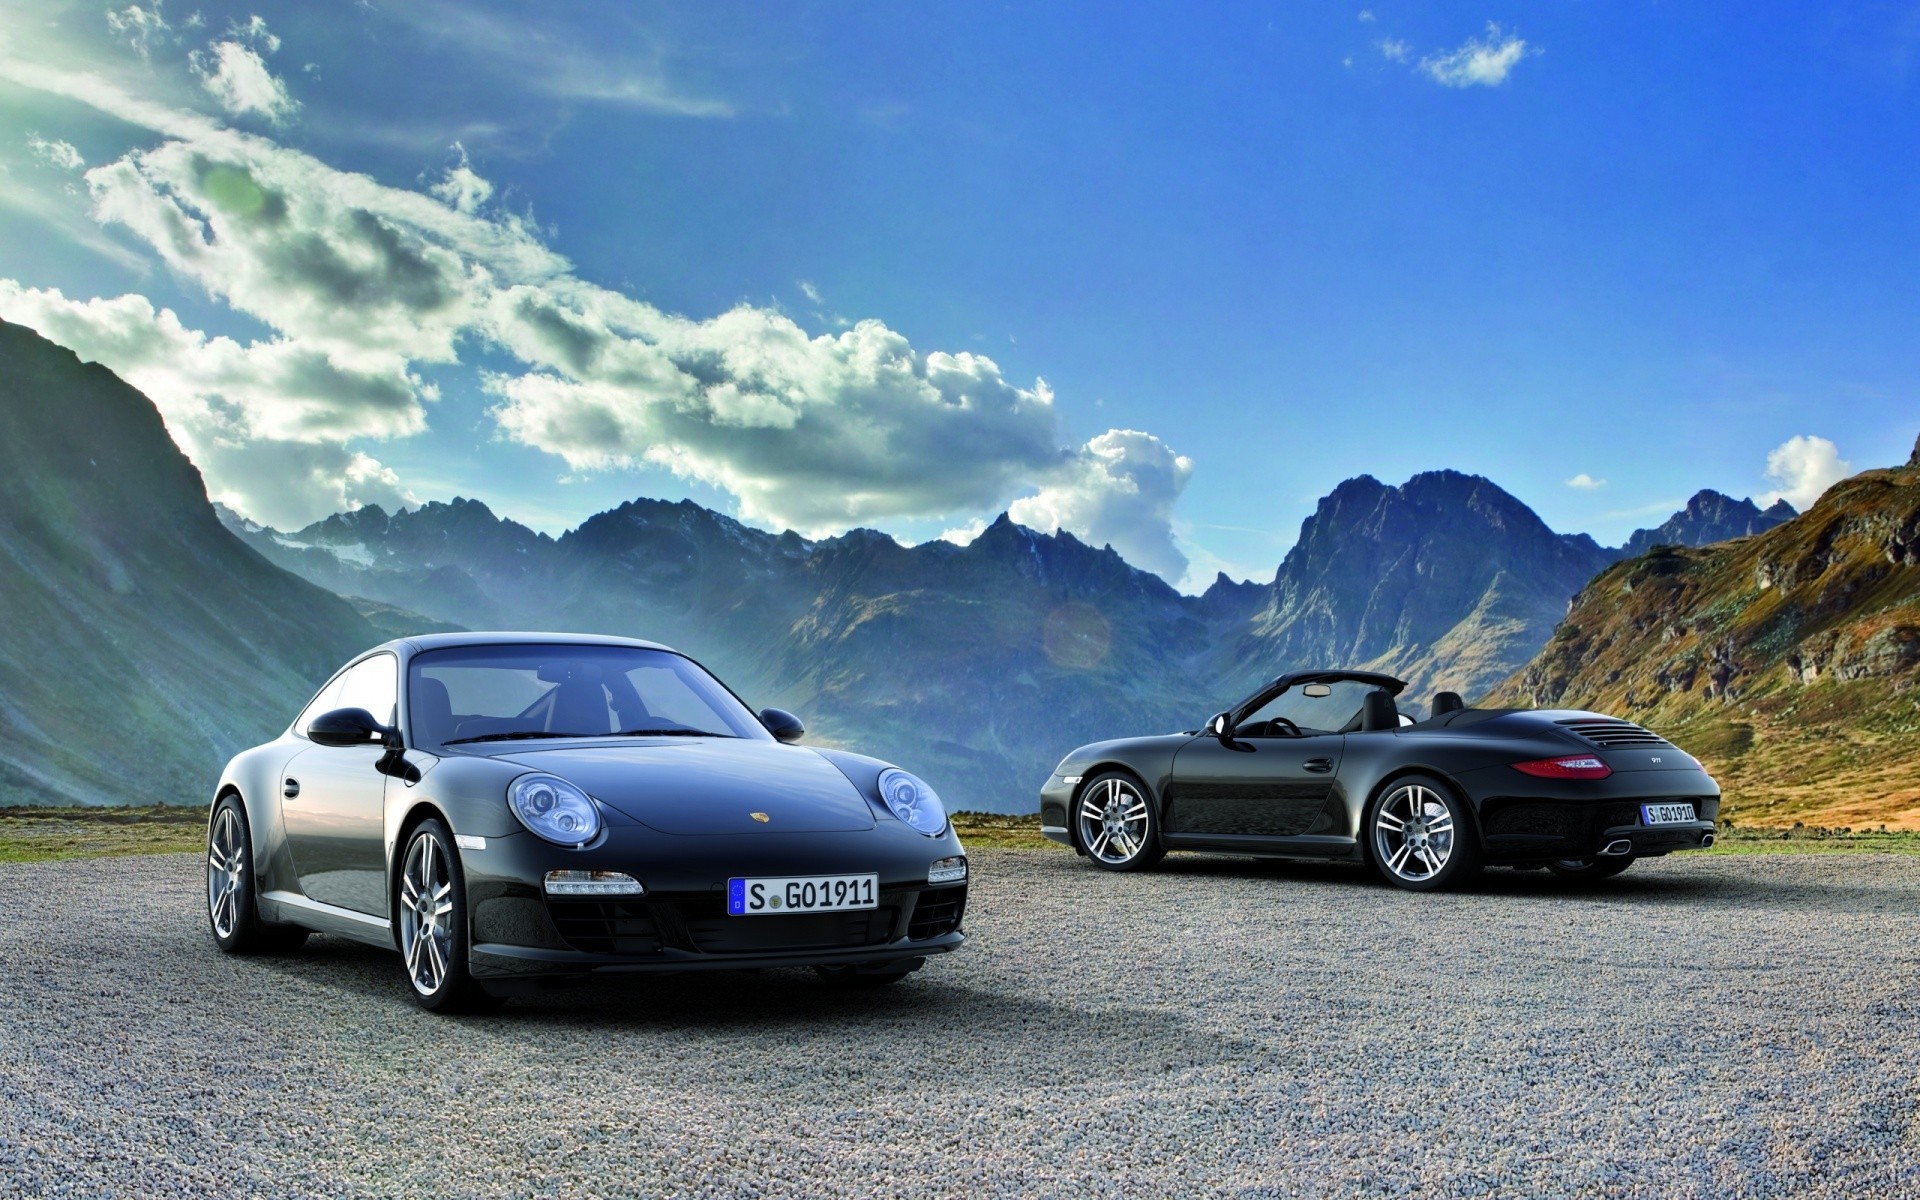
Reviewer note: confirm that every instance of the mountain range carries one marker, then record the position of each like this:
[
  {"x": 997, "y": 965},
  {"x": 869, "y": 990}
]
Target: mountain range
[{"x": 978, "y": 664}]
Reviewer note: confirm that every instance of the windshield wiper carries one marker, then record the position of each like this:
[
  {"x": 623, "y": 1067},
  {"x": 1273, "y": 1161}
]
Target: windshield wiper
[
  {"x": 517, "y": 735},
  {"x": 670, "y": 733}
]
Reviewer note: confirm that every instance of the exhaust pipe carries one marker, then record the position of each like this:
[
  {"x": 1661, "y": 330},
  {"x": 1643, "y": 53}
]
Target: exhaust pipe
[
  {"x": 1706, "y": 841},
  {"x": 1617, "y": 848}
]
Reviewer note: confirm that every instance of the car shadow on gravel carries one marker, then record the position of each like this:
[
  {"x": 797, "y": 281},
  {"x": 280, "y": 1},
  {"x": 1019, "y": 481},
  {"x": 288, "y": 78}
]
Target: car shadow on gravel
[
  {"x": 1713, "y": 881},
  {"x": 789, "y": 1007}
]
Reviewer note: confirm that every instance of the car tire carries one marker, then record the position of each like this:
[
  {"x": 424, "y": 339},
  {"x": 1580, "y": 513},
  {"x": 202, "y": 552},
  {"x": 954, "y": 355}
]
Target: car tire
[
  {"x": 1115, "y": 825},
  {"x": 232, "y": 913},
  {"x": 1420, "y": 835},
  {"x": 430, "y": 915},
  {"x": 1591, "y": 868}
]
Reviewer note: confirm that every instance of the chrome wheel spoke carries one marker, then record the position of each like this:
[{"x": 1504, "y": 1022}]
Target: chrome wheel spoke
[{"x": 1389, "y": 822}]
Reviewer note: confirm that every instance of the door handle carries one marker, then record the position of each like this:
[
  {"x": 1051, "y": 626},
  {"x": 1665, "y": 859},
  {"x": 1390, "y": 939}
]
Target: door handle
[
  {"x": 290, "y": 788},
  {"x": 1319, "y": 765}
]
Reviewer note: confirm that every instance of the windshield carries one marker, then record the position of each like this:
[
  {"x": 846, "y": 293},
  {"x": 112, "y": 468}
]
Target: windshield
[
  {"x": 1330, "y": 713},
  {"x": 467, "y": 694}
]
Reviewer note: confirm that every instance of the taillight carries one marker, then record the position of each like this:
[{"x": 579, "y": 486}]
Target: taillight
[{"x": 1580, "y": 766}]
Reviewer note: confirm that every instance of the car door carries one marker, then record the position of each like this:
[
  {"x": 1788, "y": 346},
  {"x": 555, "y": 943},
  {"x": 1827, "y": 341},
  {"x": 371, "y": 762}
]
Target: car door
[
  {"x": 1260, "y": 786},
  {"x": 333, "y": 798}
]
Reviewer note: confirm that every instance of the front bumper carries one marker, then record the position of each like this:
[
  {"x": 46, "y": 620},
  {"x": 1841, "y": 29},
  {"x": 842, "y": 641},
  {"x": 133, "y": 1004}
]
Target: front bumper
[{"x": 523, "y": 937}]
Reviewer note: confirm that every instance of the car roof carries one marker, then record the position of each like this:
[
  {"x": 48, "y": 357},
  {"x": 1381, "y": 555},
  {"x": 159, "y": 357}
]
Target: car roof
[{"x": 440, "y": 641}]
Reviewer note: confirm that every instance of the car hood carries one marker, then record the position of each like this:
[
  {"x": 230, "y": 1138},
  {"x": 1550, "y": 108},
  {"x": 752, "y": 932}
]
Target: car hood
[{"x": 710, "y": 785}]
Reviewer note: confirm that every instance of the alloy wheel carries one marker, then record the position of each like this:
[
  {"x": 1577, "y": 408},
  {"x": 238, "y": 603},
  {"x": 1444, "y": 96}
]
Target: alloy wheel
[
  {"x": 1113, "y": 820},
  {"x": 1413, "y": 833},
  {"x": 226, "y": 872},
  {"x": 426, "y": 909}
]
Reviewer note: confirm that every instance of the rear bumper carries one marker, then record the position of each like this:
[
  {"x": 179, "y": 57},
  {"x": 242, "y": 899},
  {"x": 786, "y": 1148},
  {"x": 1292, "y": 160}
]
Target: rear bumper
[{"x": 1533, "y": 829}]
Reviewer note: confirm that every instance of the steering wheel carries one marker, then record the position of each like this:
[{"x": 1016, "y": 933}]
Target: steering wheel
[{"x": 1273, "y": 727}]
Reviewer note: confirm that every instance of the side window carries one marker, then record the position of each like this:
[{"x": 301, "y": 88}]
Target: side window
[
  {"x": 372, "y": 685},
  {"x": 321, "y": 703}
]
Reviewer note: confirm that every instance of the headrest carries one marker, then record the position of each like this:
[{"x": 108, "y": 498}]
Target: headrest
[
  {"x": 1447, "y": 702},
  {"x": 1377, "y": 712}
]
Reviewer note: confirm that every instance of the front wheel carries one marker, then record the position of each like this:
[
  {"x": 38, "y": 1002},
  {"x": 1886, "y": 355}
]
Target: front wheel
[
  {"x": 1591, "y": 868},
  {"x": 432, "y": 913},
  {"x": 1422, "y": 836},
  {"x": 1116, "y": 825},
  {"x": 231, "y": 912}
]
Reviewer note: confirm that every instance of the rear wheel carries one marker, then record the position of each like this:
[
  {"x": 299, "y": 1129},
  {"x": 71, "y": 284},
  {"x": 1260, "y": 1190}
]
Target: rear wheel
[
  {"x": 1422, "y": 837},
  {"x": 1115, "y": 823},
  {"x": 237, "y": 927},
  {"x": 1591, "y": 868},
  {"x": 432, "y": 913}
]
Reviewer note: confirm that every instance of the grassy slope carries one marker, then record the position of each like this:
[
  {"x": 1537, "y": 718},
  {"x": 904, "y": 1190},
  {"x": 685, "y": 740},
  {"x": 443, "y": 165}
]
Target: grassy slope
[{"x": 1789, "y": 662}]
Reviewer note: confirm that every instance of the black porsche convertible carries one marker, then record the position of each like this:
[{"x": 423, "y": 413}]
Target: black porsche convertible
[
  {"x": 510, "y": 810},
  {"x": 1323, "y": 764}
]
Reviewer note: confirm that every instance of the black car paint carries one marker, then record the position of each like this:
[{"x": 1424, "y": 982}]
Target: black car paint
[
  {"x": 1268, "y": 796},
  {"x": 326, "y": 856}
]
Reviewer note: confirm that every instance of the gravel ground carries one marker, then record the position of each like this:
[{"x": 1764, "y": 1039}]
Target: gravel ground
[{"x": 1698, "y": 1027}]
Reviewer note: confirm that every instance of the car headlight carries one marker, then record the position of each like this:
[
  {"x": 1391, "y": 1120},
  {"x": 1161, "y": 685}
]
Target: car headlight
[
  {"x": 554, "y": 809},
  {"x": 910, "y": 799}
]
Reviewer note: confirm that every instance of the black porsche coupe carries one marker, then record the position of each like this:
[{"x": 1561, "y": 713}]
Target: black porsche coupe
[
  {"x": 508, "y": 810},
  {"x": 1322, "y": 764}
]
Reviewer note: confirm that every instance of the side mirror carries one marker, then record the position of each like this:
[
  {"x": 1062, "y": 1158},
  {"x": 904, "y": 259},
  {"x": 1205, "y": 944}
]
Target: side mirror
[
  {"x": 1220, "y": 725},
  {"x": 349, "y": 727},
  {"x": 783, "y": 725}
]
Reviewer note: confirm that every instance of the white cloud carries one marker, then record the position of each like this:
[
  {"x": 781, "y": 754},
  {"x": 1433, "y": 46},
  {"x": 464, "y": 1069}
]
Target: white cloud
[
  {"x": 536, "y": 55},
  {"x": 139, "y": 27},
  {"x": 1479, "y": 61},
  {"x": 56, "y": 153},
  {"x": 811, "y": 292},
  {"x": 1586, "y": 483},
  {"x": 1804, "y": 467},
  {"x": 362, "y": 283},
  {"x": 266, "y": 422},
  {"x": 461, "y": 186},
  {"x": 1366, "y": 16},
  {"x": 1395, "y": 50},
  {"x": 1119, "y": 489},
  {"x": 235, "y": 74}
]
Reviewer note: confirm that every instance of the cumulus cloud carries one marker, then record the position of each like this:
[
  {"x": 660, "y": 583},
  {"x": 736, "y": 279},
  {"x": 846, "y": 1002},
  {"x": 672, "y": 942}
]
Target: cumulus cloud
[
  {"x": 139, "y": 27},
  {"x": 362, "y": 283},
  {"x": 1483, "y": 62},
  {"x": 1394, "y": 50},
  {"x": 55, "y": 153},
  {"x": 1119, "y": 489},
  {"x": 461, "y": 186},
  {"x": 1803, "y": 467},
  {"x": 1586, "y": 483},
  {"x": 235, "y": 74},
  {"x": 266, "y": 423},
  {"x": 813, "y": 432}
]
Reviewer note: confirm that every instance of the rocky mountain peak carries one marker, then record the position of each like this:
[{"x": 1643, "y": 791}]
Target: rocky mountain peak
[{"x": 1710, "y": 517}]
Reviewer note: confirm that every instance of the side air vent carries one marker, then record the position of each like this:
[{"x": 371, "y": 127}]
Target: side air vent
[{"x": 1609, "y": 734}]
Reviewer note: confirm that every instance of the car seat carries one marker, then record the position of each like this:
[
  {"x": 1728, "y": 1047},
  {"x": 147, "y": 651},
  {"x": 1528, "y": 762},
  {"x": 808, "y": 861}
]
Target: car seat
[
  {"x": 1377, "y": 712},
  {"x": 432, "y": 711},
  {"x": 1447, "y": 702}
]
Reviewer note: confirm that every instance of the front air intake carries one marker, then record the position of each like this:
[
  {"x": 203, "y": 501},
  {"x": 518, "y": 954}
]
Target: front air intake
[{"x": 1610, "y": 734}]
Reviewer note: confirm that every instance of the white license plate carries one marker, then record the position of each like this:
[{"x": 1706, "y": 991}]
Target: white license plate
[
  {"x": 1666, "y": 814},
  {"x": 811, "y": 893}
]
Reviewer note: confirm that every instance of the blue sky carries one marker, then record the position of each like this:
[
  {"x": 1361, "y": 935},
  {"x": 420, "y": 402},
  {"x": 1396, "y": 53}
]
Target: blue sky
[{"x": 1160, "y": 276}]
